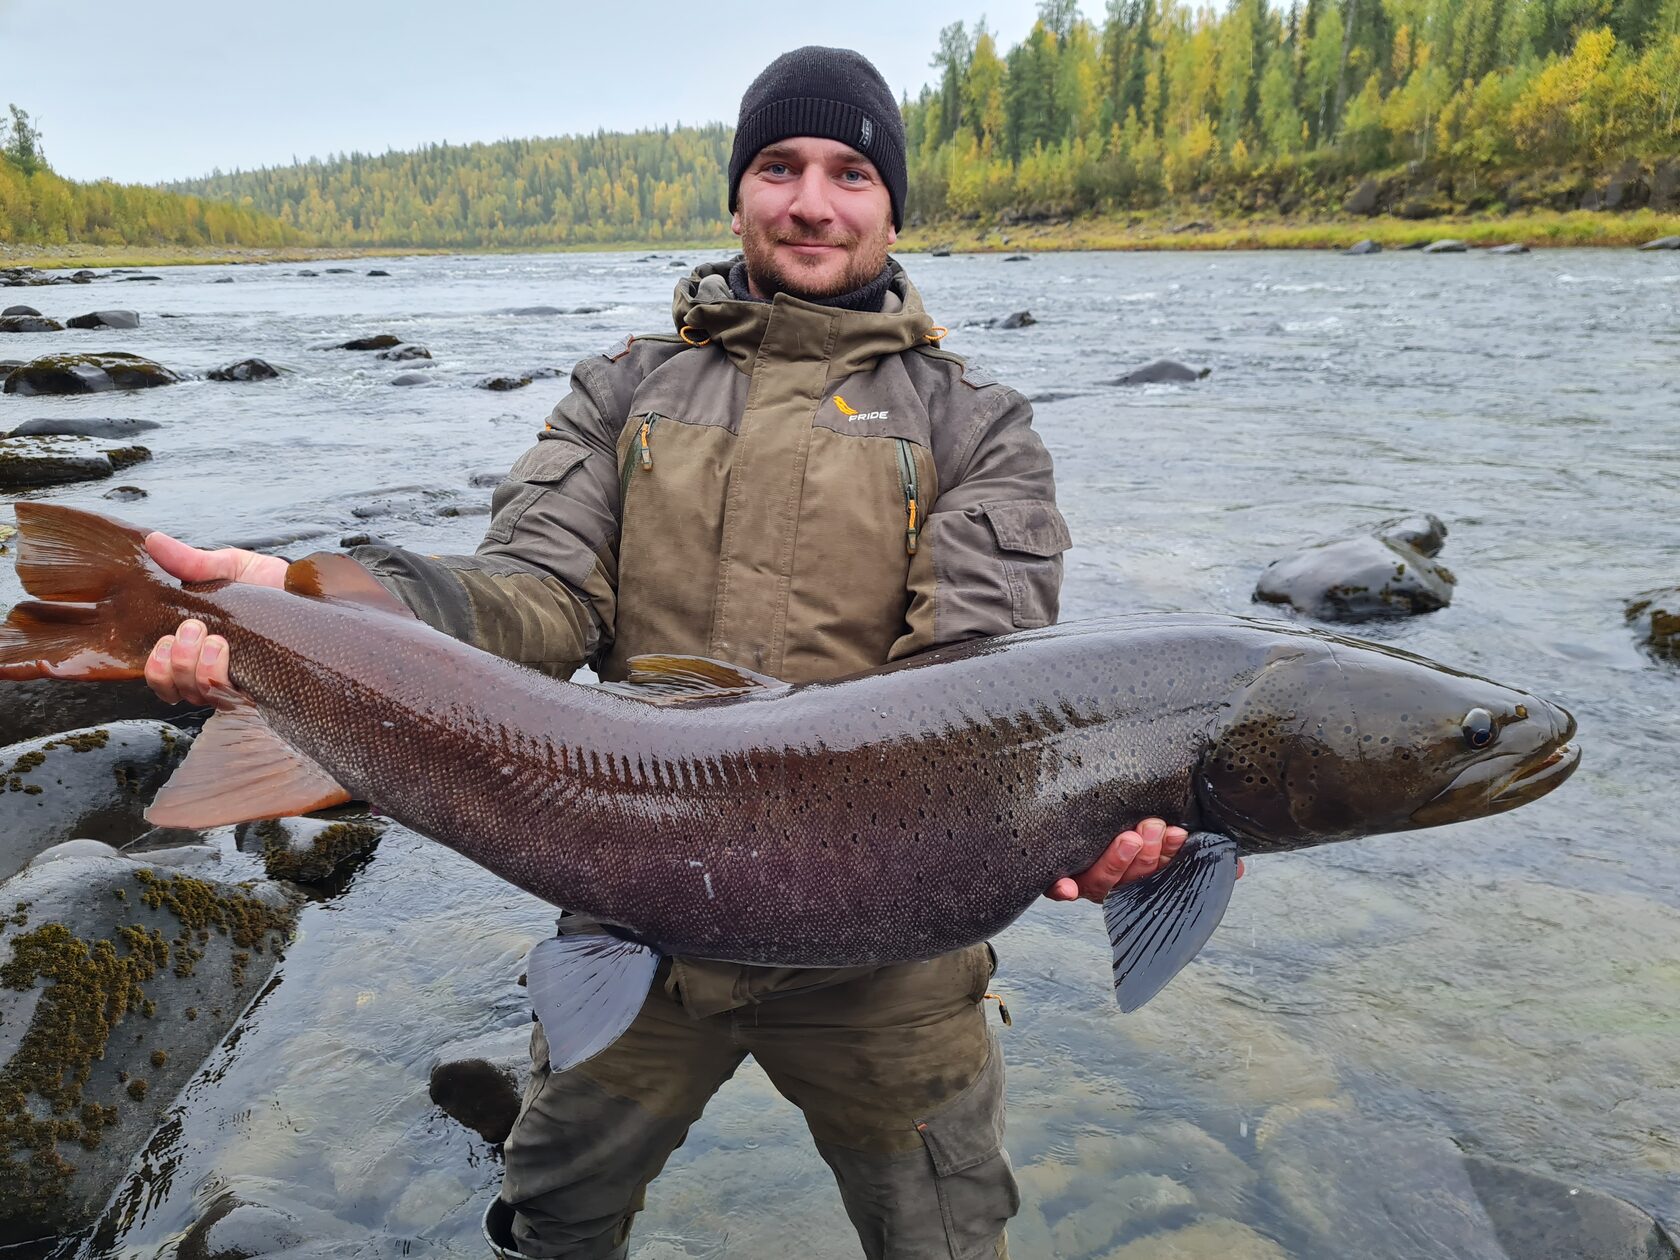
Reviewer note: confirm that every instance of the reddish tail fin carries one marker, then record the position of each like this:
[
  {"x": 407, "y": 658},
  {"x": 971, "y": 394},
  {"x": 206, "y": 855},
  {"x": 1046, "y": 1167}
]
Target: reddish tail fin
[{"x": 85, "y": 571}]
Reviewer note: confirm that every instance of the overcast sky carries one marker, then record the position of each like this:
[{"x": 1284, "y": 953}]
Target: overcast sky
[{"x": 168, "y": 89}]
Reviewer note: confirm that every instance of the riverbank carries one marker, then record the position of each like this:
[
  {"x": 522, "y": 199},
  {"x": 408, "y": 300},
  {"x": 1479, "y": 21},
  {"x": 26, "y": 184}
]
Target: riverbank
[
  {"x": 1154, "y": 230},
  {"x": 1185, "y": 230}
]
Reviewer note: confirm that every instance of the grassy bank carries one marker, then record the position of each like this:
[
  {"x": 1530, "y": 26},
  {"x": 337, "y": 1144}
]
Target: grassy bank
[
  {"x": 1154, "y": 230},
  {"x": 1187, "y": 230}
]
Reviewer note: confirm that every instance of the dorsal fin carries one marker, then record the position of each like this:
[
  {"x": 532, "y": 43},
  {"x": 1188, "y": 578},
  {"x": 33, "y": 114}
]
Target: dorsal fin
[
  {"x": 663, "y": 679},
  {"x": 328, "y": 575},
  {"x": 238, "y": 770}
]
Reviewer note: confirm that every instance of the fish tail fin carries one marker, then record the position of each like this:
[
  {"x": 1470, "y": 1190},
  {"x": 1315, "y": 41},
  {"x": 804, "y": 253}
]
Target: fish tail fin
[
  {"x": 1159, "y": 924},
  {"x": 89, "y": 575}
]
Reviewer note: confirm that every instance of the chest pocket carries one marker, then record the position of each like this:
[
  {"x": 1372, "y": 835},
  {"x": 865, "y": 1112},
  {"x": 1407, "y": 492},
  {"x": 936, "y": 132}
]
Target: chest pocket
[{"x": 536, "y": 472}]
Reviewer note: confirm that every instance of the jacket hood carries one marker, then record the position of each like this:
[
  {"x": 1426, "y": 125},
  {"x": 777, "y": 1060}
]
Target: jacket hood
[{"x": 850, "y": 340}]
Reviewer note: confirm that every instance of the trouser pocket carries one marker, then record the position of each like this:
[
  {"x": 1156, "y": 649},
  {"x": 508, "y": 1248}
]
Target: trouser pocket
[{"x": 972, "y": 1175}]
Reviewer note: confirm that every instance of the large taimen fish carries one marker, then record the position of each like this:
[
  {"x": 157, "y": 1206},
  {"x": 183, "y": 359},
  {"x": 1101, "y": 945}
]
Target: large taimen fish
[{"x": 700, "y": 809}]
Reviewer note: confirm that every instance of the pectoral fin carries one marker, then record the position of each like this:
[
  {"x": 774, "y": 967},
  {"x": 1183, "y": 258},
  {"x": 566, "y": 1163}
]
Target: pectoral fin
[
  {"x": 586, "y": 989},
  {"x": 1158, "y": 924}
]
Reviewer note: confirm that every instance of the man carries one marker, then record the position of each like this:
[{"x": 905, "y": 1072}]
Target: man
[{"x": 801, "y": 482}]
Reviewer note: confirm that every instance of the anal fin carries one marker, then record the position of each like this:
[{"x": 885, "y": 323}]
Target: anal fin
[
  {"x": 586, "y": 988},
  {"x": 238, "y": 770},
  {"x": 1158, "y": 924}
]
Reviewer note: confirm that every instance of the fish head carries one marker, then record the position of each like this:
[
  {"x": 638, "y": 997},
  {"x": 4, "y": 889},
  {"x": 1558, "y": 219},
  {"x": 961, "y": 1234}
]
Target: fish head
[{"x": 1332, "y": 739}]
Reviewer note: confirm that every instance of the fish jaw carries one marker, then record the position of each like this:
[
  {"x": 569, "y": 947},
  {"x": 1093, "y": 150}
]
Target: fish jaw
[{"x": 1503, "y": 783}]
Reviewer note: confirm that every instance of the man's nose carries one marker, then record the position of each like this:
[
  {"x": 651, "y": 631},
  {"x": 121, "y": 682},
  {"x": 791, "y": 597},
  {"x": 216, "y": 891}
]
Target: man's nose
[{"x": 813, "y": 198}]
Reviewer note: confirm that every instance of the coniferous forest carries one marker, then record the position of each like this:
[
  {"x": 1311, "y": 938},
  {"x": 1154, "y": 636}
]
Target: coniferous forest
[{"x": 1414, "y": 107}]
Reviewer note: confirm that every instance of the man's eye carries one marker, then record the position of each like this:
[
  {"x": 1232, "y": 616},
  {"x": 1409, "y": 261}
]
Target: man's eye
[
  {"x": 776, "y": 168},
  {"x": 854, "y": 177}
]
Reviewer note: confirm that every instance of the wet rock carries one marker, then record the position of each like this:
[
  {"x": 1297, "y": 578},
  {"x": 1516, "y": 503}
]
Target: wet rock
[
  {"x": 19, "y": 310},
  {"x": 1016, "y": 319},
  {"x": 8, "y": 366},
  {"x": 1388, "y": 572},
  {"x": 245, "y": 370},
  {"x": 304, "y": 271},
  {"x": 1055, "y": 395},
  {"x": 124, "y": 494},
  {"x": 1446, "y": 247},
  {"x": 143, "y": 278},
  {"x": 104, "y": 319},
  {"x": 93, "y": 783},
  {"x": 340, "y": 271},
  {"x": 489, "y": 478},
  {"x": 379, "y": 341},
  {"x": 1379, "y": 1192},
  {"x": 118, "y": 980},
  {"x": 49, "y": 706},
  {"x": 1655, "y": 616},
  {"x": 88, "y": 374},
  {"x": 403, "y": 353},
  {"x": 83, "y": 426},
  {"x": 1162, "y": 371},
  {"x": 379, "y": 272},
  {"x": 29, "y": 324},
  {"x": 309, "y": 850},
  {"x": 1364, "y": 247},
  {"x": 1514, "y": 248},
  {"x": 1663, "y": 242},
  {"x": 224, "y": 280},
  {"x": 1365, "y": 199},
  {"x": 53, "y": 461},
  {"x": 233, "y": 1229},
  {"x": 1537, "y": 1215},
  {"x": 1018, "y": 258},
  {"x": 939, "y": 251},
  {"x": 520, "y": 381},
  {"x": 411, "y": 378},
  {"x": 479, "y": 1082}
]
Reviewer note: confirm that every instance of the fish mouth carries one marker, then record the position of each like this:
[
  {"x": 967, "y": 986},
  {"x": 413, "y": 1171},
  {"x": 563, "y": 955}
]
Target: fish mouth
[
  {"x": 1536, "y": 780},
  {"x": 1501, "y": 783}
]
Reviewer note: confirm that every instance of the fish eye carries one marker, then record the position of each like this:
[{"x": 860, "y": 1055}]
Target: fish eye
[{"x": 1478, "y": 728}]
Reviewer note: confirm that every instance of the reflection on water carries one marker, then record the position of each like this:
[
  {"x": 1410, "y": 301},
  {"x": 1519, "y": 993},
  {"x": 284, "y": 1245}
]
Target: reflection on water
[{"x": 1367, "y": 1017}]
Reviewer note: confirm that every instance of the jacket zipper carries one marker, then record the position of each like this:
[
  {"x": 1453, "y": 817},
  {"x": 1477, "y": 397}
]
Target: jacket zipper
[
  {"x": 912, "y": 507},
  {"x": 640, "y": 452}
]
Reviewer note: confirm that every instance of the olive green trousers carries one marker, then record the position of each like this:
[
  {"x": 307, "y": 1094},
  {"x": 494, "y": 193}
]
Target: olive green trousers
[{"x": 895, "y": 1070}]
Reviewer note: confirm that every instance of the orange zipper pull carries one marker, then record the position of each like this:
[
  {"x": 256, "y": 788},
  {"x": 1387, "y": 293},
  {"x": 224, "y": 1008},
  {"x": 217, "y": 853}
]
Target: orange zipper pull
[
  {"x": 911, "y": 531},
  {"x": 647, "y": 451}
]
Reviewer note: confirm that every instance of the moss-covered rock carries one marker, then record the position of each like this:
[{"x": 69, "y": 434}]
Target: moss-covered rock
[
  {"x": 93, "y": 783},
  {"x": 53, "y": 461},
  {"x": 246, "y": 370},
  {"x": 1655, "y": 616},
  {"x": 309, "y": 850},
  {"x": 29, "y": 324},
  {"x": 84, "y": 426},
  {"x": 98, "y": 968},
  {"x": 49, "y": 705},
  {"x": 479, "y": 1082},
  {"x": 88, "y": 374}
]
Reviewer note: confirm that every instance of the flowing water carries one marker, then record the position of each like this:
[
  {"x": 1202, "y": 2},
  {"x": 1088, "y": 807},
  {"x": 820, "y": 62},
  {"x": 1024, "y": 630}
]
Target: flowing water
[{"x": 1369, "y": 1016}]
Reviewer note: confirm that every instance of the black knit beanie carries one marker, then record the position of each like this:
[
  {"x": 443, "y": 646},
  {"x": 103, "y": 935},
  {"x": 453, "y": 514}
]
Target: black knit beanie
[{"x": 834, "y": 93}]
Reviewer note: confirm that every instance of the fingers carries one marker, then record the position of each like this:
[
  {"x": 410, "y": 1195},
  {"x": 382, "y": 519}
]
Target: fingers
[
  {"x": 189, "y": 666},
  {"x": 227, "y": 564},
  {"x": 1063, "y": 890},
  {"x": 1134, "y": 855}
]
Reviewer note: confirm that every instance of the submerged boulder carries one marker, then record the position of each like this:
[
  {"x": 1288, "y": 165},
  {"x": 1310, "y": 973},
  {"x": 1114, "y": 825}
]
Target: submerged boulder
[
  {"x": 1362, "y": 248},
  {"x": 1663, "y": 242},
  {"x": 1016, "y": 319},
  {"x": 1446, "y": 247},
  {"x": 53, "y": 461},
  {"x": 403, "y": 353},
  {"x": 379, "y": 341},
  {"x": 93, "y": 783},
  {"x": 104, "y": 319},
  {"x": 1387, "y": 572},
  {"x": 88, "y": 374},
  {"x": 1655, "y": 616},
  {"x": 116, "y": 980},
  {"x": 1162, "y": 371},
  {"x": 19, "y": 310},
  {"x": 479, "y": 1082},
  {"x": 1513, "y": 248},
  {"x": 245, "y": 370}
]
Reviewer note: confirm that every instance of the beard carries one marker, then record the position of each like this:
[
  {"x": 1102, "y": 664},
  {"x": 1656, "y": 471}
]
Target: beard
[{"x": 865, "y": 258}]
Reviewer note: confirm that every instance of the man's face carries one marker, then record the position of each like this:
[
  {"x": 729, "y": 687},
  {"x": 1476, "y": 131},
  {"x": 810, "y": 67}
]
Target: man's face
[{"x": 814, "y": 219}]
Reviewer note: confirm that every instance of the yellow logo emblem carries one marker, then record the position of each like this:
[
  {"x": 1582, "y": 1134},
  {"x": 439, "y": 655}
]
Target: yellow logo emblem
[{"x": 845, "y": 409}]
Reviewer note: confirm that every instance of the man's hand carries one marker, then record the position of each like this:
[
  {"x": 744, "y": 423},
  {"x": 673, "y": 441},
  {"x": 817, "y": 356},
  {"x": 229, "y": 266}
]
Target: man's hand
[
  {"x": 191, "y": 665},
  {"x": 1134, "y": 855}
]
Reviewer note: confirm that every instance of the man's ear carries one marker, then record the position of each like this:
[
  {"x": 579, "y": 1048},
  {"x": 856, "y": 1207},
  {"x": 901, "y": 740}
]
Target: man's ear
[
  {"x": 735, "y": 223},
  {"x": 892, "y": 235}
]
